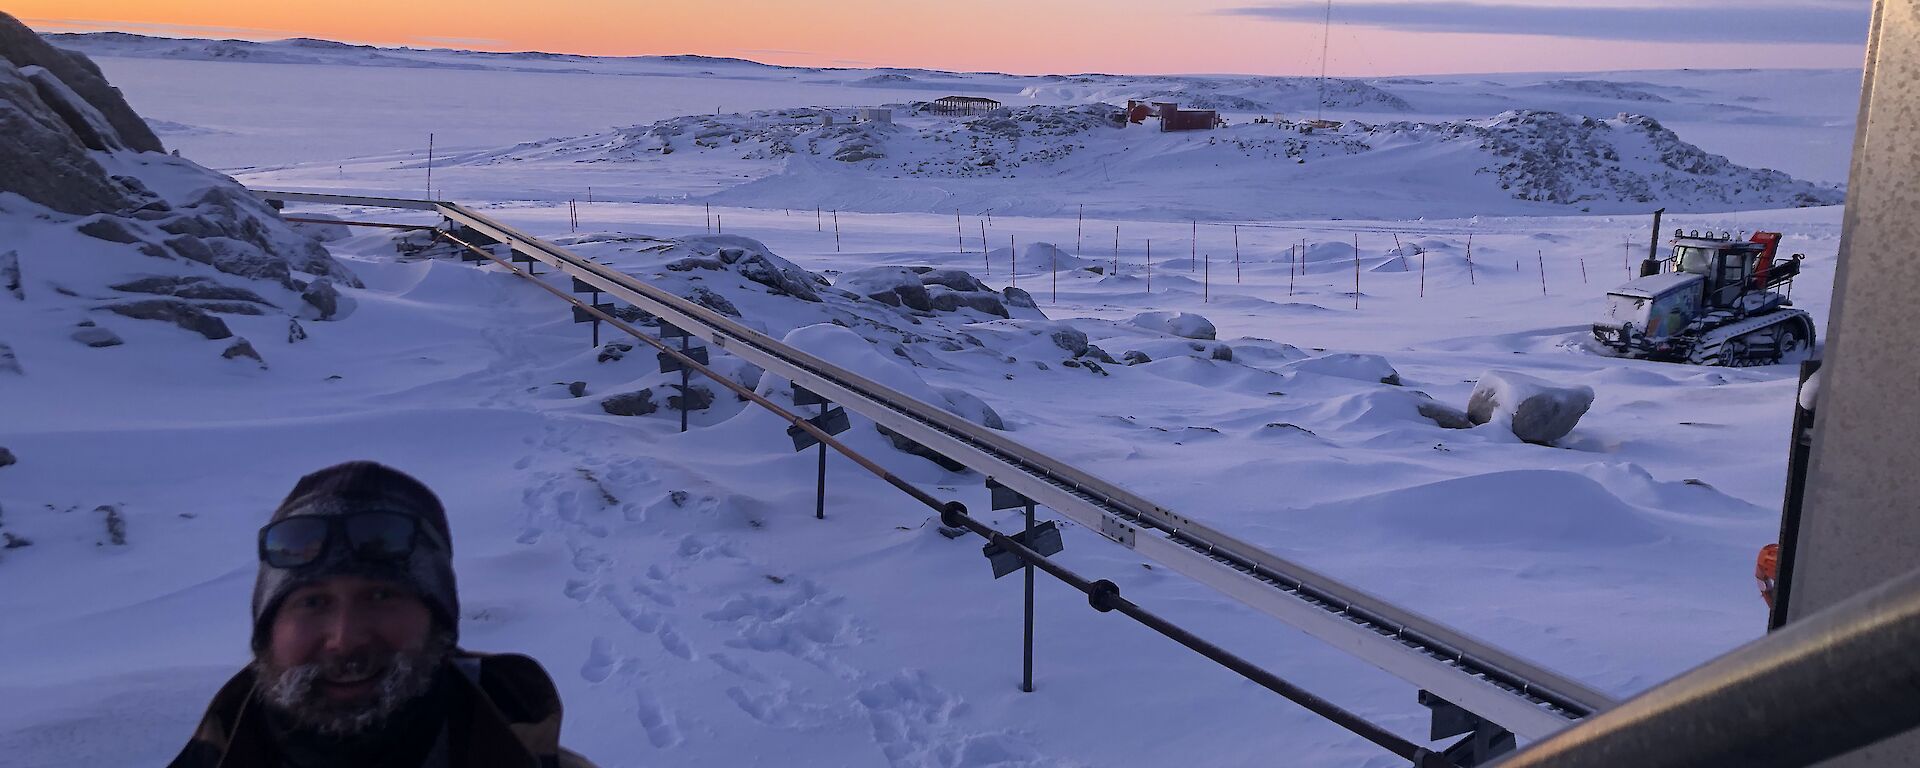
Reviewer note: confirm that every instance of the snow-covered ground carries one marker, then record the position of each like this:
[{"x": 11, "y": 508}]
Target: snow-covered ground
[{"x": 677, "y": 586}]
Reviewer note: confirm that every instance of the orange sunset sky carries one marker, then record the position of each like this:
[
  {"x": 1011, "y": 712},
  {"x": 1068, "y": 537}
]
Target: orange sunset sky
[{"x": 1378, "y": 37}]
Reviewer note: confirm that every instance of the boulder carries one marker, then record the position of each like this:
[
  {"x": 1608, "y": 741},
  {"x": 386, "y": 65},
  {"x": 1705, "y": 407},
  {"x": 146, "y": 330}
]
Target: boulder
[
  {"x": 1018, "y": 297},
  {"x": 8, "y": 362},
  {"x": 1182, "y": 324},
  {"x": 984, "y": 302},
  {"x": 1536, "y": 410},
  {"x": 892, "y": 286},
  {"x": 750, "y": 259},
  {"x": 968, "y": 406},
  {"x": 242, "y": 348},
  {"x": 906, "y": 445},
  {"x": 1349, "y": 366},
  {"x": 694, "y": 398},
  {"x": 1073, "y": 340},
  {"x": 577, "y": 388},
  {"x": 107, "y": 228},
  {"x": 711, "y": 300},
  {"x": 1135, "y": 357},
  {"x": 324, "y": 297},
  {"x": 294, "y": 331},
  {"x": 954, "y": 279},
  {"x": 613, "y": 350},
  {"x": 1446, "y": 416},
  {"x": 96, "y": 336},
  {"x": 630, "y": 403},
  {"x": 7, "y": 459},
  {"x": 174, "y": 311},
  {"x": 10, "y": 275}
]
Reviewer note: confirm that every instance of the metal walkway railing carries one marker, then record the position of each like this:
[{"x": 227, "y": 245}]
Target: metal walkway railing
[{"x": 1497, "y": 686}]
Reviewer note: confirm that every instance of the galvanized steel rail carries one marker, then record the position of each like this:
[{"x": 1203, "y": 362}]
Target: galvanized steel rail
[{"x": 1525, "y": 698}]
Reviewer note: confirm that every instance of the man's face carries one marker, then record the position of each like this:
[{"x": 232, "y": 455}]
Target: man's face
[{"x": 346, "y": 652}]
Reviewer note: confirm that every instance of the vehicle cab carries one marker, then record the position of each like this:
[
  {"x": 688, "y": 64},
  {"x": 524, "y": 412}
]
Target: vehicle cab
[{"x": 1726, "y": 265}]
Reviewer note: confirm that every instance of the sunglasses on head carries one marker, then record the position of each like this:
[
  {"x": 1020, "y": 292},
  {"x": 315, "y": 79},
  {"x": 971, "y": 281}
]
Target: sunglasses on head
[{"x": 373, "y": 535}]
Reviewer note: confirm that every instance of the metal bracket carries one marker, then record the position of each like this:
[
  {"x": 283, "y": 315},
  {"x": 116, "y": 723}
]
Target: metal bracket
[
  {"x": 803, "y": 396},
  {"x": 1112, "y": 528},
  {"x": 1484, "y": 742},
  {"x": 1004, "y": 497},
  {"x": 581, "y": 315},
  {"x": 833, "y": 422},
  {"x": 1043, "y": 539},
  {"x": 669, "y": 363}
]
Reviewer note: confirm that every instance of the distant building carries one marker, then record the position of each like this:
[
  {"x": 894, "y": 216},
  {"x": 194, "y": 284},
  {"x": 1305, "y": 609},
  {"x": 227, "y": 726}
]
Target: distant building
[
  {"x": 1172, "y": 117},
  {"x": 963, "y": 105},
  {"x": 875, "y": 115}
]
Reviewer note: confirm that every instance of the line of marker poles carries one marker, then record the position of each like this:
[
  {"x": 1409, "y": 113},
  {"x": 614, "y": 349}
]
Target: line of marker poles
[{"x": 1296, "y": 262}]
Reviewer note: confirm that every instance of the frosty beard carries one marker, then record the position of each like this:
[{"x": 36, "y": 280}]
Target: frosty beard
[{"x": 399, "y": 678}]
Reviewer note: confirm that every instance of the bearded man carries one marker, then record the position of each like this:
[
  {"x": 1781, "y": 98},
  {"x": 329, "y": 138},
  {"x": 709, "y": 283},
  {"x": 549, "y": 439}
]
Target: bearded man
[{"x": 355, "y": 642}]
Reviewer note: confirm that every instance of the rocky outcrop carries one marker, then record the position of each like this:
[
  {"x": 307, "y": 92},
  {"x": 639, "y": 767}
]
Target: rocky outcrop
[
  {"x": 924, "y": 289},
  {"x": 190, "y": 288},
  {"x": 23, "y": 47},
  {"x": 892, "y": 286},
  {"x": 750, "y": 259},
  {"x": 174, "y": 311},
  {"x": 43, "y": 154}
]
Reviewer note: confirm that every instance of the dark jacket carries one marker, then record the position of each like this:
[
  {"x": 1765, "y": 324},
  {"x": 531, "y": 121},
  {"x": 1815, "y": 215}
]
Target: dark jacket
[{"x": 504, "y": 713}]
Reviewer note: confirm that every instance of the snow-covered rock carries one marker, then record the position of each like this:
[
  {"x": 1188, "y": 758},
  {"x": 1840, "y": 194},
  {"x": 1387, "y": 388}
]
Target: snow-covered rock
[
  {"x": 1536, "y": 410},
  {"x": 638, "y": 403},
  {"x": 1349, "y": 366},
  {"x": 892, "y": 286},
  {"x": 100, "y": 221},
  {"x": 1182, "y": 324}
]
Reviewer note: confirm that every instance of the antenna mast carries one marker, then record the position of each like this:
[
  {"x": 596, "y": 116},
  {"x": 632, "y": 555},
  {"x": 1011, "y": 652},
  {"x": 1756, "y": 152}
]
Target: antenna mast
[{"x": 1325, "y": 33}]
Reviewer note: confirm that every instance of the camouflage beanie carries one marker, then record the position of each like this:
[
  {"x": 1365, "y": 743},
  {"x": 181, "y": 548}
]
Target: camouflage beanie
[{"x": 358, "y": 486}]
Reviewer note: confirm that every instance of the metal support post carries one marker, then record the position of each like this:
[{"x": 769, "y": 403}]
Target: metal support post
[
  {"x": 820, "y": 484},
  {"x": 1042, "y": 539},
  {"x": 1026, "y": 647},
  {"x": 832, "y": 422},
  {"x": 686, "y": 394}
]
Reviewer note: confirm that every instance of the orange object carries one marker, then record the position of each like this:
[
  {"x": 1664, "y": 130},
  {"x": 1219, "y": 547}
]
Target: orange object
[
  {"x": 1766, "y": 569},
  {"x": 1764, "y": 262}
]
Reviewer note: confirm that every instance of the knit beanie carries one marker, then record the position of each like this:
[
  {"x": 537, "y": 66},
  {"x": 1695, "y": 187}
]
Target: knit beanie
[{"x": 358, "y": 486}]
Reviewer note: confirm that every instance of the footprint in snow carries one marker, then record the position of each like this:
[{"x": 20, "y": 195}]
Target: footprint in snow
[
  {"x": 659, "y": 721},
  {"x": 600, "y": 661}
]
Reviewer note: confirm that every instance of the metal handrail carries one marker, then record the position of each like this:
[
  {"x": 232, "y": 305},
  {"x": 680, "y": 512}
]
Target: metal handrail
[
  {"x": 1102, "y": 595},
  {"x": 1823, "y": 686}
]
